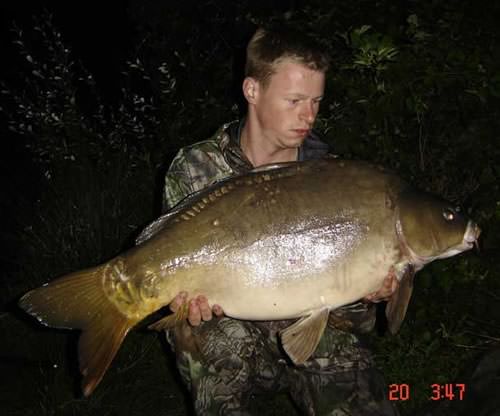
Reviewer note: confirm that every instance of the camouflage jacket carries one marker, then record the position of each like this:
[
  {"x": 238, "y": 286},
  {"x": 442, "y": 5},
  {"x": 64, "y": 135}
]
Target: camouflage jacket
[
  {"x": 204, "y": 163},
  {"x": 201, "y": 164}
]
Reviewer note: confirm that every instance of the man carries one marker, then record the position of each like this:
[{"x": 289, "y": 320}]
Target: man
[{"x": 225, "y": 361}]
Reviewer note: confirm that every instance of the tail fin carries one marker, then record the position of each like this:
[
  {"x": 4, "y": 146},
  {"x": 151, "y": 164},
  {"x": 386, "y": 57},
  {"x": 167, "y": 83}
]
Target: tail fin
[{"x": 78, "y": 301}]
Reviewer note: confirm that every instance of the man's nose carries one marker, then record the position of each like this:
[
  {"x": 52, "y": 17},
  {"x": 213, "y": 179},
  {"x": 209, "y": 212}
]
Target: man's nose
[{"x": 308, "y": 112}]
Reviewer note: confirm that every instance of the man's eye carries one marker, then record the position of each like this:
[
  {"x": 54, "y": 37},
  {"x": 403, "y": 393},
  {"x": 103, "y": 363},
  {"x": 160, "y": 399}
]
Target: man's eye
[{"x": 293, "y": 101}]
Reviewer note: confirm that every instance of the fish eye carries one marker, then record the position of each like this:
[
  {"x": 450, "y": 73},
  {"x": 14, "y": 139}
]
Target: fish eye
[{"x": 448, "y": 214}]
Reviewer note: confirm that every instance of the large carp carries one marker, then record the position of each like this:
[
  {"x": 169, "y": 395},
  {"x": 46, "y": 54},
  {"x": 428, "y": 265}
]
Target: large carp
[{"x": 294, "y": 240}]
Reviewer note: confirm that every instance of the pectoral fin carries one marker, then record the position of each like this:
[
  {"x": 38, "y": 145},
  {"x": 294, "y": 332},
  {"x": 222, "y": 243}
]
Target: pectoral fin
[
  {"x": 395, "y": 309},
  {"x": 301, "y": 339}
]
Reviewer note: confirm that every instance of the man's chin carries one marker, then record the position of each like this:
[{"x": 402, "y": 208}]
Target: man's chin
[{"x": 293, "y": 142}]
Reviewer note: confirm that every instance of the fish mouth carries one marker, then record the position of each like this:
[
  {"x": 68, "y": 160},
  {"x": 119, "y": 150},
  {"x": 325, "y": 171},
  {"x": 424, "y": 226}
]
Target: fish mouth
[
  {"x": 471, "y": 235},
  {"x": 472, "y": 232}
]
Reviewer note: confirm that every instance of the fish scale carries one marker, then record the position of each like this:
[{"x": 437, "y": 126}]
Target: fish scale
[{"x": 293, "y": 240}]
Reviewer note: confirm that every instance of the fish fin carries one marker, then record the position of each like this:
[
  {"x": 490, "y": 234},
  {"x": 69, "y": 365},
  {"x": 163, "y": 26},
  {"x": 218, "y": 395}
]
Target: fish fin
[
  {"x": 78, "y": 301},
  {"x": 158, "y": 225},
  {"x": 172, "y": 320},
  {"x": 300, "y": 339},
  {"x": 395, "y": 310},
  {"x": 99, "y": 344}
]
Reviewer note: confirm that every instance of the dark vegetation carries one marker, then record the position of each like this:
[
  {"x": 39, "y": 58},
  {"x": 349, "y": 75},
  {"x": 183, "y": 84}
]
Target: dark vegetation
[{"x": 414, "y": 86}]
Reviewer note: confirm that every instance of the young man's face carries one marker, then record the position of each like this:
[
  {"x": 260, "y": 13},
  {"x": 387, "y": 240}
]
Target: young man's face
[{"x": 287, "y": 106}]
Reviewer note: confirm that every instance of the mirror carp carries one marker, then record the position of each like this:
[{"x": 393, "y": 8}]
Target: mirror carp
[{"x": 292, "y": 240}]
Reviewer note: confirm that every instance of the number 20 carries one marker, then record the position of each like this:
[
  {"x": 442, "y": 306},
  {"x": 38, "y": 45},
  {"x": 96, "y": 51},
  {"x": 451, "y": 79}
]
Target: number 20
[{"x": 399, "y": 392}]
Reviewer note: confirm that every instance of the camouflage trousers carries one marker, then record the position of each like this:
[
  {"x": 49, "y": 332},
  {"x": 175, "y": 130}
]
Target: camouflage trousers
[{"x": 225, "y": 362}]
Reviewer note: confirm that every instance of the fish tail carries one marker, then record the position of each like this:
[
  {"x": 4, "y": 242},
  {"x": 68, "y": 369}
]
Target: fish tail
[{"x": 78, "y": 301}]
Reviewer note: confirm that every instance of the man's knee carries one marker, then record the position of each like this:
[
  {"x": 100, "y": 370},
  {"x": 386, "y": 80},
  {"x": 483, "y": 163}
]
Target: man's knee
[
  {"x": 215, "y": 361},
  {"x": 223, "y": 347}
]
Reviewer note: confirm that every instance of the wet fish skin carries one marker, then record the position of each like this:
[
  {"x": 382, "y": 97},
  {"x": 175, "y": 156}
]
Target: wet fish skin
[{"x": 295, "y": 241}]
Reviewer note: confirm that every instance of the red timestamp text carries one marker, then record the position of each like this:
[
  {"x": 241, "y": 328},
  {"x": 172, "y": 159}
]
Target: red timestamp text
[
  {"x": 399, "y": 392},
  {"x": 447, "y": 391}
]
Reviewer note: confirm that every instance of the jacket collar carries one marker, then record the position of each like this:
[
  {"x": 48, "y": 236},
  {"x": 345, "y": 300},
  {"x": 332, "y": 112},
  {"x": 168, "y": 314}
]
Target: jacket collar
[{"x": 312, "y": 147}]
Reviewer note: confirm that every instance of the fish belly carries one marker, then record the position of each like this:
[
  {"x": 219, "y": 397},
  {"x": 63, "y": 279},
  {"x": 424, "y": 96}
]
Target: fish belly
[{"x": 244, "y": 294}]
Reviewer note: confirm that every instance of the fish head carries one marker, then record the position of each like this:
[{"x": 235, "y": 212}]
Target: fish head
[{"x": 431, "y": 228}]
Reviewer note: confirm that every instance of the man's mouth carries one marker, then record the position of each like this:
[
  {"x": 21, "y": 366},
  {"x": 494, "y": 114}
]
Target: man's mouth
[{"x": 302, "y": 132}]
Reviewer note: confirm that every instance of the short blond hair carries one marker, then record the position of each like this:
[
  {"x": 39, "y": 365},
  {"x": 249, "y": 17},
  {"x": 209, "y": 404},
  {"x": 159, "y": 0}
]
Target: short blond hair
[{"x": 268, "y": 47}]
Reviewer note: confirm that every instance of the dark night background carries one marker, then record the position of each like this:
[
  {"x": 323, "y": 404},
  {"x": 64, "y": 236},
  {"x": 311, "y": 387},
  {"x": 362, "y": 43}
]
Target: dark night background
[{"x": 96, "y": 98}]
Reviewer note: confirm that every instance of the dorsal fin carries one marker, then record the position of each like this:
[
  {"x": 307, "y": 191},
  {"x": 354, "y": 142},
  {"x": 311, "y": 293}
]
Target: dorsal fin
[{"x": 206, "y": 195}]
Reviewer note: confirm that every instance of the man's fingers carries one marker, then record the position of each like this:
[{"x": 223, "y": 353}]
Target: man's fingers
[
  {"x": 389, "y": 286},
  {"x": 217, "y": 310},
  {"x": 198, "y": 309},
  {"x": 194, "y": 314},
  {"x": 178, "y": 301},
  {"x": 205, "y": 311},
  {"x": 372, "y": 297},
  {"x": 394, "y": 284}
]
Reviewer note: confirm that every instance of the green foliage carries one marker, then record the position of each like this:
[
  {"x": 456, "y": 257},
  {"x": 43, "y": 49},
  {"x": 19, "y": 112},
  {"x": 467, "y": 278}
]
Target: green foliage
[
  {"x": 373, "y": 52},
  {"x": 421, "y": 100}
]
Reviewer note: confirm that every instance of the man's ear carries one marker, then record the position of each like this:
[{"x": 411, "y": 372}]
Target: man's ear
[{"x": 250, "y": 89}]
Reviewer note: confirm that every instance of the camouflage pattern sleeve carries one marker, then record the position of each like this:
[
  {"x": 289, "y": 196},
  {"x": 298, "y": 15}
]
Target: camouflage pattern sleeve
[
  {"x": 194, "y": 168},
  {"x": 178, "y": 183}
]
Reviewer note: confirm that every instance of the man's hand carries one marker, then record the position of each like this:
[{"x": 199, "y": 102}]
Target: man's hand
[
  {"x": 199, "y": 309},
  {"x": 389, "y": 286}
]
